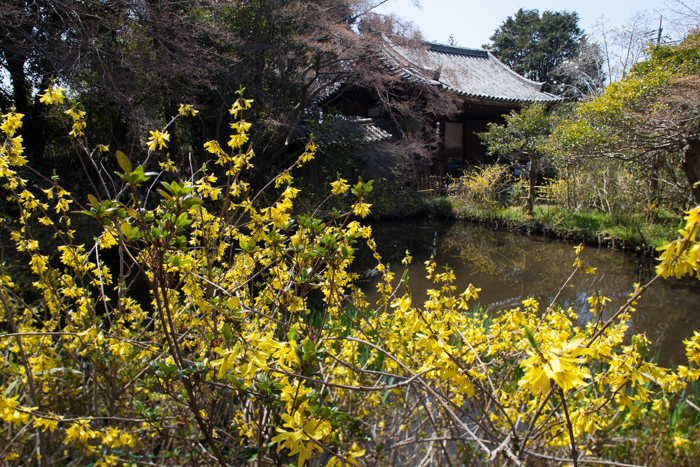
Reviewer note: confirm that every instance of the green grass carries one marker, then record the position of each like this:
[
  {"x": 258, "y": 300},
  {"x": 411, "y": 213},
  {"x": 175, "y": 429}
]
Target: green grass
[
  {"x": 391, "y": 200},
  {"x": 629, "y": 227}
]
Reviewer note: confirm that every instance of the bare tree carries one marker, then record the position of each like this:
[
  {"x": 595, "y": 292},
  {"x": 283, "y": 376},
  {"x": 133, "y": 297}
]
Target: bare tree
[
  {"x": 622, "y": 47},
  {"x": 582, "y": 75},
  {"x": 681, "y": 16},
  {"x": 131, "y": 60}
]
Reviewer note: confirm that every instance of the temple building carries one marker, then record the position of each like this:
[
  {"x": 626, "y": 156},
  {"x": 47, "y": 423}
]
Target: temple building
[{"x": 487, "y": 87}]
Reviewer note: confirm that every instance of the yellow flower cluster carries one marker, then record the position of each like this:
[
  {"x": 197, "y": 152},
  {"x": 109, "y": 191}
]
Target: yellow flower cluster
[
  {"x": 79, "y": 123},
  {"x": 252, "y": 336},
  {"x": 53, "y": 95},
  {"x": 158, "y": 140}
]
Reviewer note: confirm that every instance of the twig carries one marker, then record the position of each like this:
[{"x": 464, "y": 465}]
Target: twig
[{"x": 570, "y": 427}]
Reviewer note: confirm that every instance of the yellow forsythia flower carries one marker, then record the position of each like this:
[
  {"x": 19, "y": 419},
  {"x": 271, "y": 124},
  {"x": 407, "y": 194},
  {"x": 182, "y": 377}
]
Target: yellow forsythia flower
[
  {"x": 52, "y": 95},
  {"x": 213, "y": 147},
  {"x": 168, "y": 166},
  {"x": 187, "y": 110},
  {"x": 340, "y": 186},
  {"x": 362, "y": 209},
  {"x": 158, "y": 139}
]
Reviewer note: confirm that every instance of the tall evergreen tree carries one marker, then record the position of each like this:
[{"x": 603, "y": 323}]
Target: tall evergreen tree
[{"x": 534, "y": 45}]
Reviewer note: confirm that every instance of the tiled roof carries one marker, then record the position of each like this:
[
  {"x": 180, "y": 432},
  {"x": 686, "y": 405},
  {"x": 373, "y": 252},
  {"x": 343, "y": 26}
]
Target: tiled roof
[
  {"x": 473, "y": 73},
  {"x": 365, "y": 130},
  {"x": 372, "y": 132}
]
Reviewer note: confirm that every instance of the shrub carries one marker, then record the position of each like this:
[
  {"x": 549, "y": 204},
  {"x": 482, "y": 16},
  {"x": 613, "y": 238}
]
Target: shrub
[
  {"x": 441, "y": 207},
  {"x": 252, "y": 342},
  {"x": 483, "y": 187}
]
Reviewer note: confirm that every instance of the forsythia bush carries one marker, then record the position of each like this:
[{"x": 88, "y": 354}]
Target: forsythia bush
[
  {"x": 255, "y": 345},
  {"x": 482, "y": 187}
]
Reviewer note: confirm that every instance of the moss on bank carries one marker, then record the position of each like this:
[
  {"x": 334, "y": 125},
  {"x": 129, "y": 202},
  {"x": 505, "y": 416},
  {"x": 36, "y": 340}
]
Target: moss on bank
[{"x": 625, "y": 231}]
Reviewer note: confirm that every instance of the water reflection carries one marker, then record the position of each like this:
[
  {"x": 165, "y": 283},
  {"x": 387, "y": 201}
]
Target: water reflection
[{"x": 510, "y": 267}]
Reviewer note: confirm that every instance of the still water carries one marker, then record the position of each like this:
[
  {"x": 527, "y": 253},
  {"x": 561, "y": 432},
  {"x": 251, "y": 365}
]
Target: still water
[{"x": 511, "y": 267}]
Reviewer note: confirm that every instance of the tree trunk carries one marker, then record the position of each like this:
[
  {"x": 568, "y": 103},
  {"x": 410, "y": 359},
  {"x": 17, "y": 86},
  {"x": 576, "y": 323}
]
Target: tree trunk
[
  {"x": 691, "y": 167},
  {"x": 15, "y": 64},
  {"x": 33, "y": 122},
  {"x": 534, "y": 173},
  {"x": 654, "y": 179},
  {"x": 37, "y": 145}
]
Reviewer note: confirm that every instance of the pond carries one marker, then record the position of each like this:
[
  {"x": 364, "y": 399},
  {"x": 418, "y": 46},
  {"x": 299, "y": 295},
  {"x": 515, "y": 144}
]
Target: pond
[{"x": 511, "y": 266}]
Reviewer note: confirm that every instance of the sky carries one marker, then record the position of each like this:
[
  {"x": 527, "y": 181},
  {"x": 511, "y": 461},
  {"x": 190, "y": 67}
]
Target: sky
[{"x": 472, "y": 22}]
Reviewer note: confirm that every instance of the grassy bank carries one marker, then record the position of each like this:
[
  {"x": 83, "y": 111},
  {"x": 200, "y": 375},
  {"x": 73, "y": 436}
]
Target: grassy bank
[
  {"x": 625, "y": 231},
  {"x": 628, "y": 231}
]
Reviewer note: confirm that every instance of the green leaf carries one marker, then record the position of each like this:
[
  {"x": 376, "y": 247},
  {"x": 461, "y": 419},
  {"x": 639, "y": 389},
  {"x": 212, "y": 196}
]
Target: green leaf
[
  {"x": 308, "y": 346},
  {"x": 94, "y": 201},
  {"x": 182, "y": 220},
  {"x": 530, "y": 337},
  {"x": 164, "y": 195},
  {"x": 192, "y": 203},
  {"x": 139, "y": 176},
  {"x": 124, "y": 162},
  {"x": 226, "y": 330},
  {"x": 129, "y": 231}
]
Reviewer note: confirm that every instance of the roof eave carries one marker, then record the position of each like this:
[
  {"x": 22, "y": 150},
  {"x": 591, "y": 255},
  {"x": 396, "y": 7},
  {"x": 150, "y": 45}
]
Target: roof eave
[
  {"x": 534, "y": 84},
  {"x": 507, "y": 99},
  {"x": 408, "y": 74}
]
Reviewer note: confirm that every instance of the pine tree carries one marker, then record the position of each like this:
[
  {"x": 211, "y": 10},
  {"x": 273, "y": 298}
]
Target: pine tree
[{"x": 533, "y": 45}]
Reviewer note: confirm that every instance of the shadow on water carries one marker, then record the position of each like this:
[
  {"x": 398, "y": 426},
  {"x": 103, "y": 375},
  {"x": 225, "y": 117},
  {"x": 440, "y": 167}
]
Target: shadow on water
[{"x": 510, "y": 267}]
